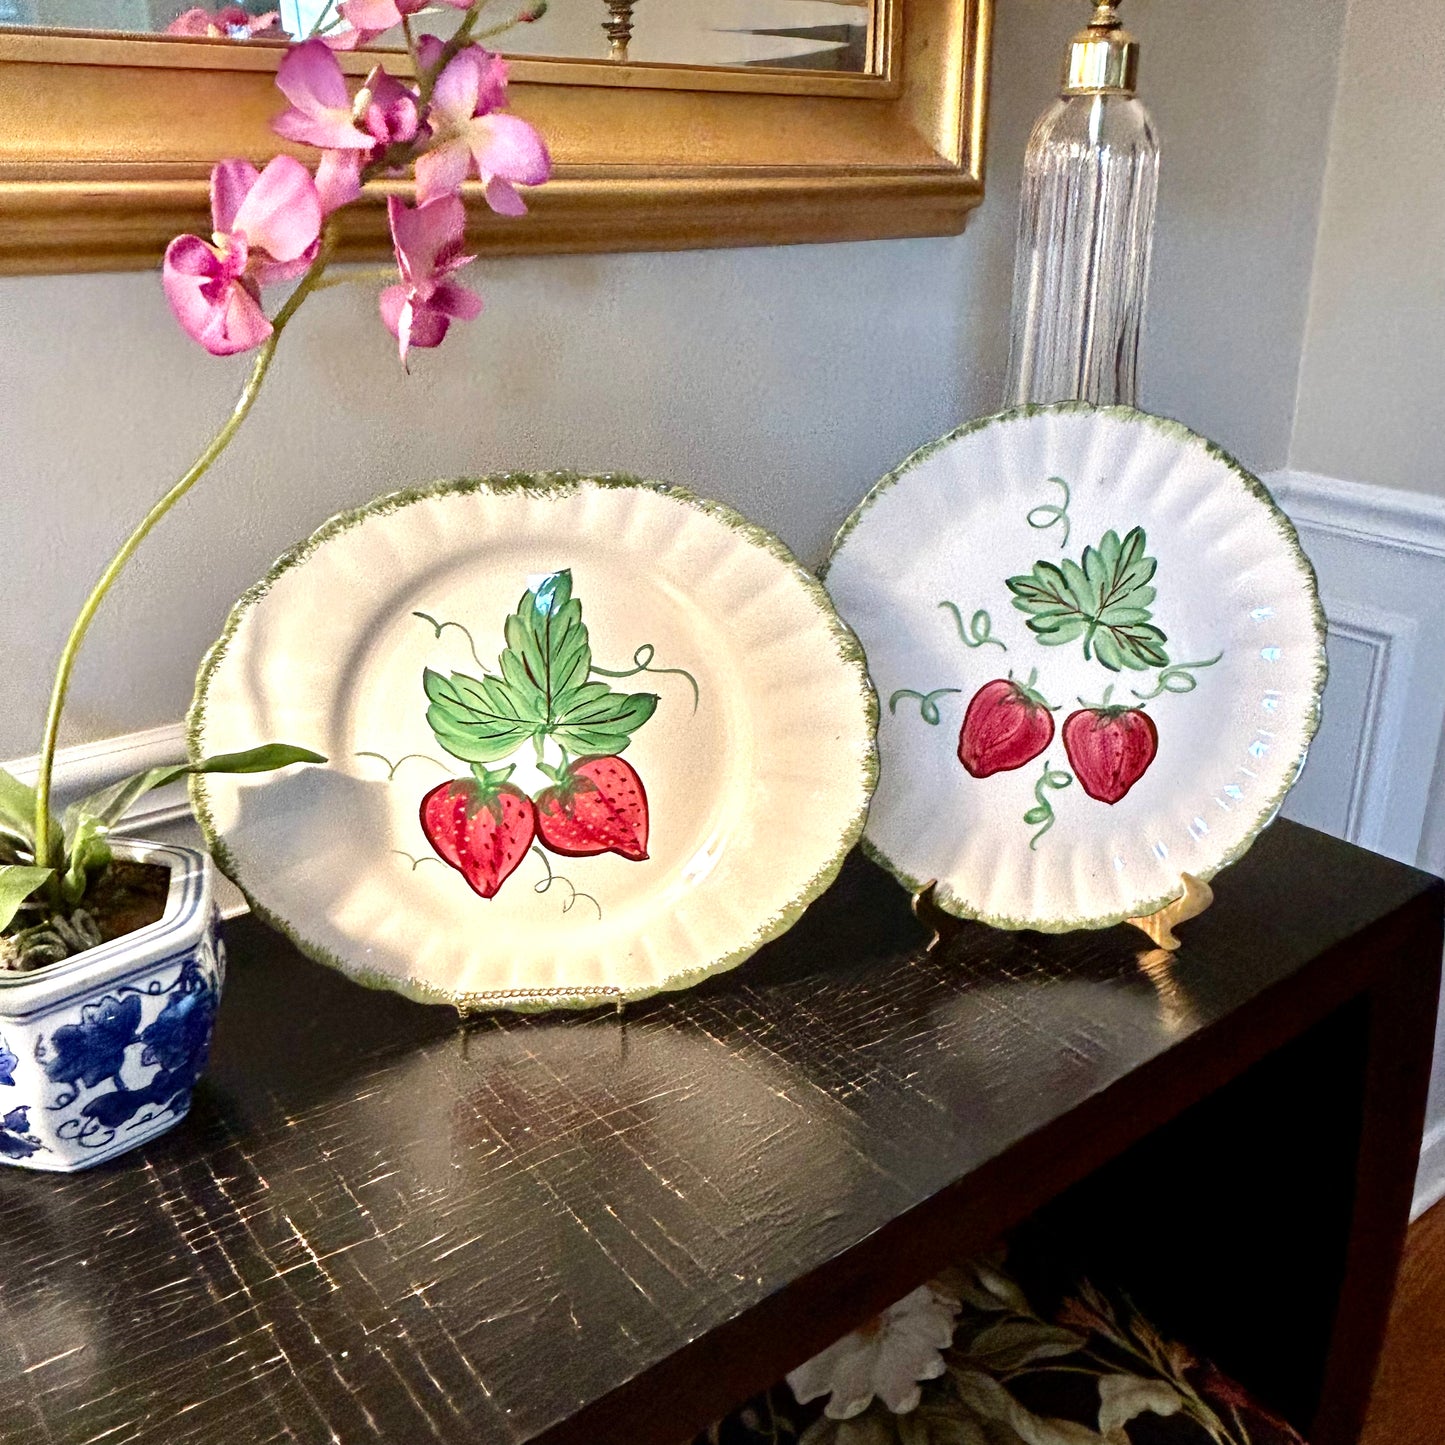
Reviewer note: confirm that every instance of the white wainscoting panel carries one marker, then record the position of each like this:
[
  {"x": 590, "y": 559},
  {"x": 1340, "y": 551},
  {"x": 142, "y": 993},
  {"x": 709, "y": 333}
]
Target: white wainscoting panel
[{"x": 1380, "y": 557}]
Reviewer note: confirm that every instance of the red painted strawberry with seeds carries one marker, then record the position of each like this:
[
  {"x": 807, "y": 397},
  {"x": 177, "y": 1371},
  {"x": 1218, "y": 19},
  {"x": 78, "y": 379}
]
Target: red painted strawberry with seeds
[
  {"x": 1110, "y": 748},
  {"x": 596, "y": 805},
  {"x": 1007, "y": 725},
  {"x": 482, "y": 825}
]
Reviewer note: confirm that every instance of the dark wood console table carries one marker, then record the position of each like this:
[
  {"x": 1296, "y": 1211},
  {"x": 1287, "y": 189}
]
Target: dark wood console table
[{"x": 382, "y": 1224}]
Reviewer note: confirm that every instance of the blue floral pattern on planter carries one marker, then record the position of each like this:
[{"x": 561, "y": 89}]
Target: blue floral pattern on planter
[
  {"x": 94, "y": 1049},
  {"x": 150, "y": 1070},
  {"x": 16, "y": 1141},
  {"x": 7, "y": 1064}
]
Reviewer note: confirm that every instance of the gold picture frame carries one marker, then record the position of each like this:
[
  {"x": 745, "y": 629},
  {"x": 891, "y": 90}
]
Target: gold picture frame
[{"x": 106, "y": 145}]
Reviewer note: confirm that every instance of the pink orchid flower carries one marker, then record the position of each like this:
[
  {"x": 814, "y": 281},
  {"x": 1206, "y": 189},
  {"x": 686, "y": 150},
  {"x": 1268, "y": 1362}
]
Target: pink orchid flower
[
  {"x": 348, "y": 38},
  {"x": 366, "y": 19},
  {"x": 230, "y": 22},
  {"x": 504, "y": 149},
  {"x": 428, "y": 241},
  {"x": 429, "y": 50},
  {"x": 267, "y": 224},
  {"x": 391, "y": 118},
  {"x": 379, "y": 15},
  {"x": 321, "y": 106}
]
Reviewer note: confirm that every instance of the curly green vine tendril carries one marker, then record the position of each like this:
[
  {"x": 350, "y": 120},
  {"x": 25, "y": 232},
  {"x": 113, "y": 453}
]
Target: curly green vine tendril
[
  {"x": 927, "y": 708},
  {"x": 979, "y": 630},
  {"x": 415, "y": 861},
  {"x": 391, "y": 767},
  {"x": 1178, "y": 679},
  {"x": 642, "y": 662},
  {"x": 543, "y": 884},
  {"x": 1044, "y": 813},
  {"x": 439, "y": 627},
  {"x": 1051, "y": 514}
]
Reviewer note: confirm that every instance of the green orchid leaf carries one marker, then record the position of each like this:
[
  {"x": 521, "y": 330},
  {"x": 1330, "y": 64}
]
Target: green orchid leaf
[
  {"x": 110, "y": 805},
  {"x": 479, "y": 720},
  {"x": 17, "y": 810},
  {"x": 597, "y": 720},
  {"x": 87, "y": 852},
  {"x": 17, "y": 883},
  {"x": 1105, "y": 601}
]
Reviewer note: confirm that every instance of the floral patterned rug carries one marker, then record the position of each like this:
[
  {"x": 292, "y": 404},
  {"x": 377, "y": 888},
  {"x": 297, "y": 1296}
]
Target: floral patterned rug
[{"x": 967, "y": 1360}]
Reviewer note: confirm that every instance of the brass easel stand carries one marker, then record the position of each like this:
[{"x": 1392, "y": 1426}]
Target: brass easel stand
[
  {"x": 1159, "y": 927},
  {"x": 1196, "y": 897},
  {"x": 942, "y": 926}
]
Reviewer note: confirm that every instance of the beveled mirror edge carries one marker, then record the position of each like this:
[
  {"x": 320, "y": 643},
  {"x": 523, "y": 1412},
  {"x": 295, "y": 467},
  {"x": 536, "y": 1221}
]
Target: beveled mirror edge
[{"x": 101, "y": 164}]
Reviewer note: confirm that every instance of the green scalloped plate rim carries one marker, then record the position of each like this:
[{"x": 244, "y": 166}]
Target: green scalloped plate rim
[
  {"x": 543, "y": 484},
  {"x": 945, "y": 897}
]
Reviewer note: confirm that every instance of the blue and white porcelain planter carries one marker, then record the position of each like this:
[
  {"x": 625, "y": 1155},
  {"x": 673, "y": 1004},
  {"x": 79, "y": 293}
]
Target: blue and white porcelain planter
[{"x": 100, "y": 1052}]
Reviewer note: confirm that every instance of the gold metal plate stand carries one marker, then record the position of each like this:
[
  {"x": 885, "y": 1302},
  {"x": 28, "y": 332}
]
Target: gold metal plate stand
[{"x": 1159, "y": 927}]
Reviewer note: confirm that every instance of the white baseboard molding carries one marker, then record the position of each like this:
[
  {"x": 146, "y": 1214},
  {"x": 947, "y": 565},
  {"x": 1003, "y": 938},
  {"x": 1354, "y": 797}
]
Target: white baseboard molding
[
  {"x": 88, "y": 767},
  {"x": 1430, "y": 1178},
  {"x": 163, "y": 816}
]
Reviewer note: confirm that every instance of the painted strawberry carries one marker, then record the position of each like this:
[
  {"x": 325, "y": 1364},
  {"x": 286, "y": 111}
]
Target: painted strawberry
[
  {"x": 596, "y": 805},
  {"x": 1007, "y": 725},
  {"x": 482, "y": 825},
  {"x": 1110, "y": 748}
]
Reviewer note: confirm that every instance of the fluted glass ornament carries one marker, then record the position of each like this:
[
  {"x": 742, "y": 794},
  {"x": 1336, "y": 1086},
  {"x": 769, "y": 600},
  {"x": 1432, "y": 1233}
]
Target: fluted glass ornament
[{"x": 1086, "y": 224}]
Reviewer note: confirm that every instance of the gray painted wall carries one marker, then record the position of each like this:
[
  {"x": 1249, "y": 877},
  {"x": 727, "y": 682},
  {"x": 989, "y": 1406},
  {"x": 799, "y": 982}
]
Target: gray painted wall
[
  {"x": 784, "y": 380},
  {"x": 1372, "y": 384}
]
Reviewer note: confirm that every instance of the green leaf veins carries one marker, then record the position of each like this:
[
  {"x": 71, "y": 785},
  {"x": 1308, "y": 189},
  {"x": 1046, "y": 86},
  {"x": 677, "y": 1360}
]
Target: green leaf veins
[
  {"x": 543, "y": 690},
  {"x": 1105, "y": 601}
]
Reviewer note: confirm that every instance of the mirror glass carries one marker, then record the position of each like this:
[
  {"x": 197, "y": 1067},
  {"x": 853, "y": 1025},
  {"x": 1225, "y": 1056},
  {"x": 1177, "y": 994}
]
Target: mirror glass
[{"x": 818, "y": 35}]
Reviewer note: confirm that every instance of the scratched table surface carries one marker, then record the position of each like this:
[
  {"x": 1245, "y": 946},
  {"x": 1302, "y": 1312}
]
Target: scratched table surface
[{"x": 383, "y": 1223}]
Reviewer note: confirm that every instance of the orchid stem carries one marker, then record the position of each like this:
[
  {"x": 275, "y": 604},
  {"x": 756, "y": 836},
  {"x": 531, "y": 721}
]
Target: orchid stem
[{"x": 46, "y": 847}]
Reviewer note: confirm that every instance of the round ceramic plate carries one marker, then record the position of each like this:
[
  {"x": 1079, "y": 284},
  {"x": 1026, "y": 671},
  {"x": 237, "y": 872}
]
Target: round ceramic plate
[
  {"x": 589, "y": 738},
  {"x": 1101, "y": 654}
]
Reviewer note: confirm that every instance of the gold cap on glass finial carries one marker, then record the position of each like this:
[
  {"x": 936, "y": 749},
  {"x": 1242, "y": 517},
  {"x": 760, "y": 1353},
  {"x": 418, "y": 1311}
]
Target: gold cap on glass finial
[{"x": 1102, "y": 57}]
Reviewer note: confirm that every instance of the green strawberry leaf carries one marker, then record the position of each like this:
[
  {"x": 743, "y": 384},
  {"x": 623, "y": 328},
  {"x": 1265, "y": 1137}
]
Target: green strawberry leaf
[
  {"x": 479, "y": 720},
  {"x": 547, "y": 645},
  {"x": 594, "y": 719},
  {"x": 544, "y": 688},
  {"x": 1134, "y": 645},
  {"x": 1105, "y": 601}
]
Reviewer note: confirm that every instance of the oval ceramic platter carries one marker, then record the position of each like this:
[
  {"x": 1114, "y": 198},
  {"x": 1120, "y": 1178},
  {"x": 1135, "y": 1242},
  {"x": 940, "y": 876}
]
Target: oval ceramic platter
[
  {"x": 1101, "y": 654},
  {"x": 589, "y": 738}
]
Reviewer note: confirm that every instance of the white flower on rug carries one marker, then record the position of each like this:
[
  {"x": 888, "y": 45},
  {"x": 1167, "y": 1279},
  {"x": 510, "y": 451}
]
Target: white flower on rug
[{"x": 888, "y": 1357}]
